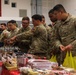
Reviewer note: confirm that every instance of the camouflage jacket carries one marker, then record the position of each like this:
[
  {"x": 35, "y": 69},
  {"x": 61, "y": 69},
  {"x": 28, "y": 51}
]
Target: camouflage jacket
[
  {"x": 66, "y": 33},
  {"x": 21, "y": 30},
  {"x": 14, "y": 32},
  {"x": 23, "y": 43},
  {"x": 39, "y": 39},
  {"x": 4, "y": 35}
]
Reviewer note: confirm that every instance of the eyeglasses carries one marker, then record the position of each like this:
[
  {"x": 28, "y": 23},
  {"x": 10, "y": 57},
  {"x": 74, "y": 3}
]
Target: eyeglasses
[{"x": 24, "y": 22}]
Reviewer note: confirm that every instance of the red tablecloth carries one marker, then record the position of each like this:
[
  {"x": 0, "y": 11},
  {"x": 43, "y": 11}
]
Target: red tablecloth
[
  {"x": 12, "y": 72},
  {"x": 7, "y": 72},
  {"x": 1, "y": 63},
  {"x": 0, "y": 67}
]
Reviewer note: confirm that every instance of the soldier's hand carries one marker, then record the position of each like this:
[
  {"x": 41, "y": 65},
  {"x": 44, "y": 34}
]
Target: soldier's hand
[
  {"x": 68, "y": 47},
  {"x": 13, "y": 38},
  {"x": 5, "y": 40},
  {"x": 62, "y": 47},
  {"x": 11, "y": 42}
]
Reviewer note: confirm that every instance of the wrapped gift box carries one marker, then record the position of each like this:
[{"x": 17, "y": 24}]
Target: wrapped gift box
[
  {"x": 22, "y": 61},
  {"x": 41, "y": 64}
]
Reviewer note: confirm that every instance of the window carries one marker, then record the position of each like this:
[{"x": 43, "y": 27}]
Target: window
[
  {"x": 6, "y": 1},
  {"x": 13, "y": 5},
  {"x": 22, "y": 12}
]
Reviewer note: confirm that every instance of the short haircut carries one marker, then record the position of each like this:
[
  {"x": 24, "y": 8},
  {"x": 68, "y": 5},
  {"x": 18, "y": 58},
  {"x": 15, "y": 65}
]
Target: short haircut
[
  {"x": 51, "y": 11},
  {"x": 26, "y": 18},
  {"x": 3, "y": 24},
  {"x": 12, "y": 21},
  {"x": 59, "y": 7},
  {"x": 37, "y": 17}
]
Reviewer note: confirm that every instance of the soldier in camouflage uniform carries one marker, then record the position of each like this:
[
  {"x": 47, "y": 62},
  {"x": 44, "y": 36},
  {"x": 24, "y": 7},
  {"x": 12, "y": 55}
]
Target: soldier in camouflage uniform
[
  {"x": 5, "y": 34},
  {"x": 13, "y": 31},
  {"x": 25, "y": 25},
  {"x": 52, "y": 49},
  {"x": 13, "y": 28},
  {"x": 49, "y": 31},
  {"x": 22, "y": 43},
  {"x": 39, "y": 40},
  {"x": 39, "y": 37},
  {"x": 54, "y": 21},
  {"x": 65, "y": 32}
]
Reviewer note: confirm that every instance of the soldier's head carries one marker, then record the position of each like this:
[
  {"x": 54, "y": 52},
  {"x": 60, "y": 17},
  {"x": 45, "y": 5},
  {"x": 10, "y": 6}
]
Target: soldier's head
[
  {"x": 25, "y": 22},
  {"x": 3, "y": 26},
  {"x": 52, "y": 16},
  {"x": 36, "y": 19},
  {"x": 43, "y": 19},
  {"x": 12, "y": 24},
  {"x": 59, "y": 11}
]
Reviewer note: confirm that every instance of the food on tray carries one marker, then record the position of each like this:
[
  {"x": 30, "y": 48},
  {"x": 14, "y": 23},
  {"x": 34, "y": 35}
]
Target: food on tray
[{"x": 11, "y": 65}]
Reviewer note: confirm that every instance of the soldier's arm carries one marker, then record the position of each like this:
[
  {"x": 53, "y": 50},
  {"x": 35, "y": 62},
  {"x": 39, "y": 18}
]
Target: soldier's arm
[
  {"x": 73, "y": 44},
  {"x": 25, "y": 41},
  {"x": 36, "y": 30},
  {"x": 57, "y": 40},
  {"x": 21, "y": 36},
  {"x": 24, "y": 35},
  {"x": 19, "y": 31}
]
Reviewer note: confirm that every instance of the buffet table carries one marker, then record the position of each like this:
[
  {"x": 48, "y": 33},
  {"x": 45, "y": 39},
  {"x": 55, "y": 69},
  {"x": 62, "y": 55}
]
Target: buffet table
[{"x": 36, "y": 67}]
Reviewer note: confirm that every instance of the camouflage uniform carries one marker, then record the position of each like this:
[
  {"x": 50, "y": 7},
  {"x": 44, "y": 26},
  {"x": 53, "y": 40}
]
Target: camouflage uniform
[
  {"x": 23, "y": 44},
  {"x": 66, "y": 34},
  {"x": 56, "y": 50},
  {"x": 14, "y": 32},
  {"x": 24, "y": 29},
  {"x": 49, "y": 29},
  {"x": 4, "y": 35},
  {"x": 49, "y": 32},
  {"x": 39, "y": 40}
]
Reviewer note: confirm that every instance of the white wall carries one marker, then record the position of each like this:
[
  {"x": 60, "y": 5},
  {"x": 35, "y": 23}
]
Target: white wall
[
  {"x": 46, "y": 6},
  {"x": 13, "y": 13},
  {"x": 70, "y": 6}
]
